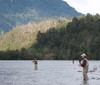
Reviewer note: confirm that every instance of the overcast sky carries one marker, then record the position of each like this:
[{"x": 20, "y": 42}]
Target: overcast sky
[{"x": 85, "y": 6}]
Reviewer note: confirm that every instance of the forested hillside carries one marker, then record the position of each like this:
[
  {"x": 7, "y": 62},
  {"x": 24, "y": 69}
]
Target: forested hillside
[
  {"x": 24, "y": 36},
  {"x": 18, "y": 12},
  {"x": 82, "y": 35}
]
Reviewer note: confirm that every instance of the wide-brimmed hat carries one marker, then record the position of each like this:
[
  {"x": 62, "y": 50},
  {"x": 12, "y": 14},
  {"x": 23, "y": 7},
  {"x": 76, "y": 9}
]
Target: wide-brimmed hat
[{"x": 83, "y": 55}]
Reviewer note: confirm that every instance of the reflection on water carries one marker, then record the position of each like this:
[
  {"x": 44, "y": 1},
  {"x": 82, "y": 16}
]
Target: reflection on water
[
  {"x": 85, "y": 82},
  {"x": 48, "y": 73}
]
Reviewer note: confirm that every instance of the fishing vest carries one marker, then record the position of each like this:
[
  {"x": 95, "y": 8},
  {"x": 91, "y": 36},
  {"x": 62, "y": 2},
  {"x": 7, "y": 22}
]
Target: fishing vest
[
  {"x": 87, "y": 63},
  {"x": 35, "y": 62}
]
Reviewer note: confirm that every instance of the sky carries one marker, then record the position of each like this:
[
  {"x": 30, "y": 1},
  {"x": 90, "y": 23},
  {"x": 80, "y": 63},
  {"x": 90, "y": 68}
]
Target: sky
[{"x": 85, "y": 6}]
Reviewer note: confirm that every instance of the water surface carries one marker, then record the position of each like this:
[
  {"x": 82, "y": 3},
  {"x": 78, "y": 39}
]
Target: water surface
[{"x": 48, "y": 73}]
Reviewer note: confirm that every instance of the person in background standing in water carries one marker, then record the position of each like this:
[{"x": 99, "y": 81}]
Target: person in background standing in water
[
  {"x": 73, "y": 61},
  {"x": 35, "y": 63},
  {"x": 85, "y": 66}
]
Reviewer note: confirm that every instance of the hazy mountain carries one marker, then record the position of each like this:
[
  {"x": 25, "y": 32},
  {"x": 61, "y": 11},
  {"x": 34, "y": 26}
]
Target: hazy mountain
[{"x": 17, "y": 12}]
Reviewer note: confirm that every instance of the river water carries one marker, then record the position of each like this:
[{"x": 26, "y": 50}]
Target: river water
[{"x": 48, "y": 73}]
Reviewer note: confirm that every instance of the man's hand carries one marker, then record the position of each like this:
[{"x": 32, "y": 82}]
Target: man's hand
[{"x": 79, "y": 65}]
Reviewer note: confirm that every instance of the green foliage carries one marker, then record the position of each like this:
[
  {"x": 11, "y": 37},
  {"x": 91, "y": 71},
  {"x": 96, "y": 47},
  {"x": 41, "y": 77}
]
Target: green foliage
[
  {"x": 82, "y": 35},
  {"x": 24, "y": 36}
]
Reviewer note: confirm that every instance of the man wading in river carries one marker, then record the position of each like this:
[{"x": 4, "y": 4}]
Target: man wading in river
[
  {"x": 85, "y": 66},
  {"x": 35, "y": 63}
]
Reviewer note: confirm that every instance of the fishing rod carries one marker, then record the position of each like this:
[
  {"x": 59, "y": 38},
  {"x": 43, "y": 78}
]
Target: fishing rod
[{"x": 79, "y": 61}]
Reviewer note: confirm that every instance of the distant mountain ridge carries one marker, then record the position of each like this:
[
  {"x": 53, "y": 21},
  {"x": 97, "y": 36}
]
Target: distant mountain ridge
[{"x": 17, "y": 12}]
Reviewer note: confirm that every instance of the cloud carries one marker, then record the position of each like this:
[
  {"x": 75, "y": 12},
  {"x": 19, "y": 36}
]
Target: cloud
[{"x": 85, "y": 6}]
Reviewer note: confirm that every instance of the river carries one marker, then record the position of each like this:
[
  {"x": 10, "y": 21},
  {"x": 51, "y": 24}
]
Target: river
[{"x": 59, "y": 72}]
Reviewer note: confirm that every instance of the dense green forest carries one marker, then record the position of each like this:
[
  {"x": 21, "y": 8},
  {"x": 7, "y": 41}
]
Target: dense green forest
[{"x": 82, "y": 35}]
